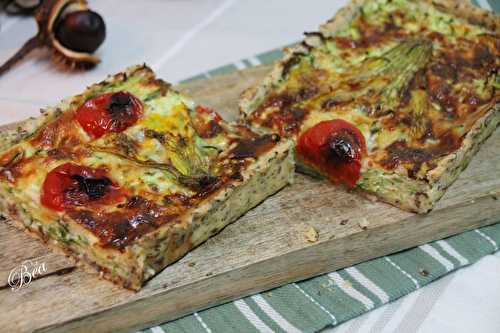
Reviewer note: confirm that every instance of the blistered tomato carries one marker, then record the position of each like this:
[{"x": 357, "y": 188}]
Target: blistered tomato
[
  {"x": 70, "y": 185},
  {"x": 336, "y": 148},
  {"x": 110, "y": 112}
]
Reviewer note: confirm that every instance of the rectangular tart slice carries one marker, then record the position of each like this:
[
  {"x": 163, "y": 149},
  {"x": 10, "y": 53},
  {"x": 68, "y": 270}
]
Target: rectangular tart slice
[
  {"x": 391, "y": 97},
  {"x": 131, "y": 175}
]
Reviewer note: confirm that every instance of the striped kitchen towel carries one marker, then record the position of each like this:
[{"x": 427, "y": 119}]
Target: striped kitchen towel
[
  {"x": 333, "y": 298},
  {"x": 330, "y": 299}
]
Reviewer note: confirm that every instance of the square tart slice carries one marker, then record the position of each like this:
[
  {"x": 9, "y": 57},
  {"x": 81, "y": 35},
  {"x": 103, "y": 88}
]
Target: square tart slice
[
  {"x": 392, "y": 98},
  {"x": 131, "y": 175}
]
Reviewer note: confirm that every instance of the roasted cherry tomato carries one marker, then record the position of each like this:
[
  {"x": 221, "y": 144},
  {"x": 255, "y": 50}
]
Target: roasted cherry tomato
[
  {"x": 206, "y": 122},
  {"x": 336, "y": 148},
  {"x": 111, "y": 112},
  {"x": 70, "y": 185}
]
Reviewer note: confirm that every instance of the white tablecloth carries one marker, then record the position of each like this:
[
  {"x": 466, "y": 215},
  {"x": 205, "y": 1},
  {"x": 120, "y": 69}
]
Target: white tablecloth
[{"x": 180, "y": 38}]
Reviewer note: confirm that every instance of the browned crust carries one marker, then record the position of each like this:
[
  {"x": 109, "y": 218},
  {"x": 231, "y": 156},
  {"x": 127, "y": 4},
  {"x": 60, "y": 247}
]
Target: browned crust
[
  {"x": 440, "y": 178},
  {"x": 471, "y": 13},
  {"x": 55, "y": 247}
]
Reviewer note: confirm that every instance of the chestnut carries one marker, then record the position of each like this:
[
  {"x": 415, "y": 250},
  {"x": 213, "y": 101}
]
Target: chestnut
[
  {"x": 69, "y": 29},
  {"x": 81, "y": 31}
]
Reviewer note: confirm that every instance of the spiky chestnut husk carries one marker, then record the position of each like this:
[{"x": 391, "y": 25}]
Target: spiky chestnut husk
[
  {"x": 48, "y": 15},
  {"x": 65, "y": 62}
]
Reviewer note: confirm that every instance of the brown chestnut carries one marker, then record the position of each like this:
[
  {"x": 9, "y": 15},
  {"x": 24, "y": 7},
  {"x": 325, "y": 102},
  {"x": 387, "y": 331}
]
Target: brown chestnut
[{"x": 81, "y": 31}]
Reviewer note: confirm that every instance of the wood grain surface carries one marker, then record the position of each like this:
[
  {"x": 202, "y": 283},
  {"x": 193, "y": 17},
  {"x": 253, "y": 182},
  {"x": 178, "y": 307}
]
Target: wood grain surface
[{"x": 266, "y": 248}]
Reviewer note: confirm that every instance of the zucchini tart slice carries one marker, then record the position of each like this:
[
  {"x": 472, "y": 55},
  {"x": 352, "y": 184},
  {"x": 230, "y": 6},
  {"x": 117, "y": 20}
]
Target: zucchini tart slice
[
  {"x": 131, "y": 175},
  {"x": 391, "y": 97}
]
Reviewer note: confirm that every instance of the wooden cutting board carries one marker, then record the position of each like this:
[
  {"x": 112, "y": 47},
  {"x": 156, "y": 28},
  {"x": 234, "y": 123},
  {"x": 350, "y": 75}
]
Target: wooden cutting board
[{"x": 264, "y": 249}]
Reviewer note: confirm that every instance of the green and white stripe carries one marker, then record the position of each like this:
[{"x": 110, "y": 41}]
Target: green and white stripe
[
  {"x": 368, "y": 284},
  {"x": 252, "y": 317},
  {"x": 433, "y": 253},
  {"x": 315, "y": 302},
  {"x": 333, "y": 298},
  {"x": 451, "y": 251}
]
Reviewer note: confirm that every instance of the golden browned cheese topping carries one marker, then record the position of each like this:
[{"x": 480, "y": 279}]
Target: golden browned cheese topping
[
  {"x": 411, "y": 78},
  {"x": 126, "y": 158}
]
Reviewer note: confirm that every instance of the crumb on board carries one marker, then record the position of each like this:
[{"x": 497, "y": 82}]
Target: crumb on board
[
  {"x": 311, "y": 235},
  {"x": 344, "y": 221},
  {"x": 191, "y": 264},
  {"x": 363, "y": 223},
  {"x": 495, "y": 194},
  {"x": 329, "y": 219}
]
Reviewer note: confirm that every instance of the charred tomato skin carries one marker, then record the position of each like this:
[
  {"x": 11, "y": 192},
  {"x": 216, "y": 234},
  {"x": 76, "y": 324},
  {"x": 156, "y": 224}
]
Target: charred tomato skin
[
  {"x": 109, "y": 113},
  {"x": 335, "y": 147},
  {"x": 70, "y": 185}
]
